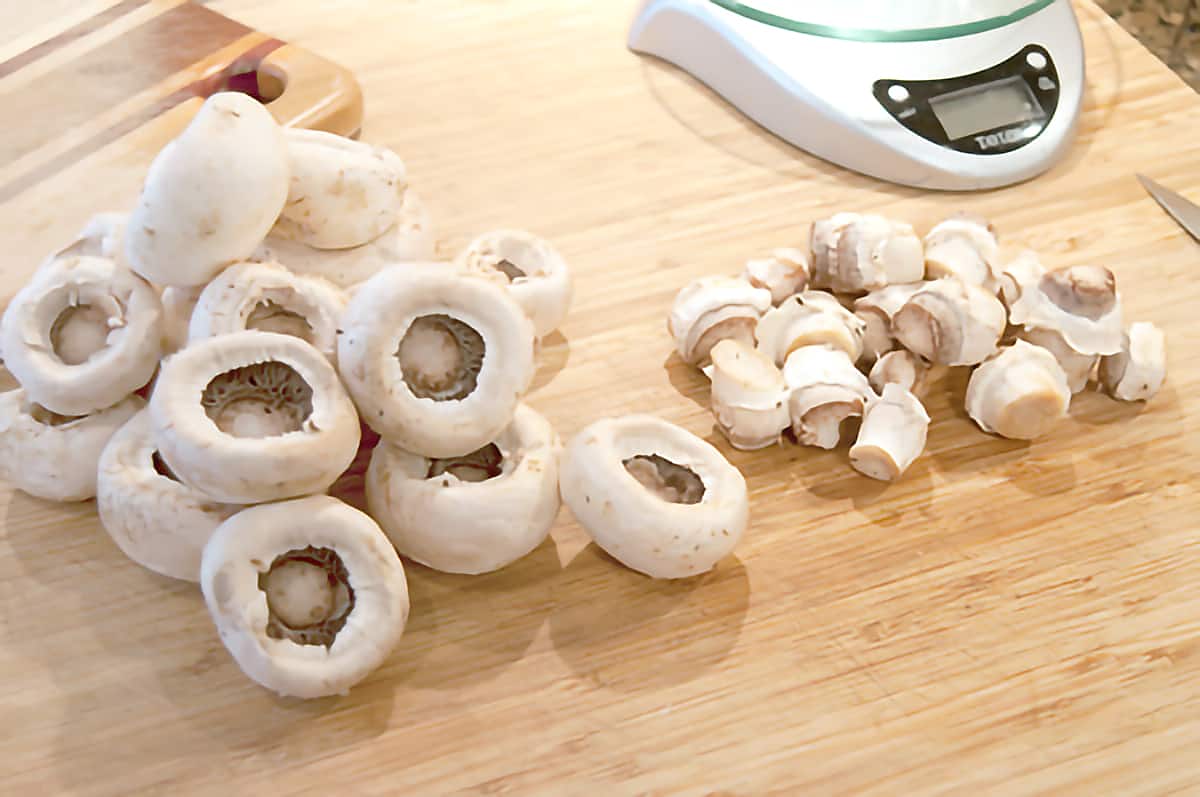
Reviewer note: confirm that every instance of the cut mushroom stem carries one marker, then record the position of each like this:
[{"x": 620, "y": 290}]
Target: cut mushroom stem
[
  {"x": 1080, "y": 303},
  {"x": 655, "y": 497},
  {"x": 1078, "y": 367},
  {"x": 950, "y": 322},
  {"x": 826, "y": 389},
  {"x": 1137, "y": 371},
  {"x": 873, "y": 252},
  {"x": 308, "y": 595},
  {"x": 1021, "y": 392},
  {"x": 749, "y": 396},
  {"x": 964, "y": 247},
  {"x": 902, "y": 367},
  {"x": 711, "y": 309},
  {"x": 785, "y": 273},
  {"x": 892, "y": 434},
  {"x": 475, "y": 513},
  {"x": 875, "y": 310},
  {"x": 812, "y": 318}
]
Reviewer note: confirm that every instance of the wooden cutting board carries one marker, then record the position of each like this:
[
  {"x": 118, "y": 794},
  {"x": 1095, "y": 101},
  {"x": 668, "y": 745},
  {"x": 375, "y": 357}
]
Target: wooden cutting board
[
  {"x": 1010, "y": 618},
  {"x": 88, "y": 102}
]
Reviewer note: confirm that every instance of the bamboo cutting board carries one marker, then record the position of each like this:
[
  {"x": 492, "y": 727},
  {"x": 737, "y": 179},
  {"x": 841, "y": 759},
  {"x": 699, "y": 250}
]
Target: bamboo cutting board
[{"x": 1010, "y": 618}]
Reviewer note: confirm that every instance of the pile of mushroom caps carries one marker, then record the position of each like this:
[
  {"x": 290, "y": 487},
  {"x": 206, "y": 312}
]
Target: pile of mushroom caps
[
  {"x": 282, "y": 317},
  {"x": 861, "y": 324}
]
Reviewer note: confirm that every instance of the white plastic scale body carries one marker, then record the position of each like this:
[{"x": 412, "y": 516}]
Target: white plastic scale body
[{"x": 958, "y": 95}]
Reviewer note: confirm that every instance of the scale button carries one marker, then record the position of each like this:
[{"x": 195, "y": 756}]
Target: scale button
[
  {"x": 1045, "y": 83},
  {"x": 1036, "y": 60},
  {"x": 897, "y": 93}
]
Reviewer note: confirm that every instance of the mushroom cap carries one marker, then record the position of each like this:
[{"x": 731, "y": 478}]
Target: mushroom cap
[
  {"x": 1078, "y": 367},
  {"x": 267, "y": 296},
  {"x": 1137, "y": 372},
  {"x": 245, "y": 546},
  {"x": 238, "y": 469},
  {"x": 114, "y": 355},
  {"x": 542, "y": 283},
  {"x": 377, "y": 320},
  {"x": 810, "y": 318},
  {"x": 892, "y": 434},
  {"x": 749, "y": 396},
  {"x": 470, "y": 527},
  {"x": 710, "y": 308},
  {"x": 872, "y": 252},
  {"x": 51, "y": 456},
  {"x": 1081, "y": 303},
  {"x": 103, "y": 235},
  {"x": 343, "y": 193},
  {"x": 1020, "y": 392},
  {"x": 634, "y": 525},
  {"x": 211, "y": 195},
  {"x": 410, "y": 239},
  {"x": 784, "y": 273},
  {"x": 950, "y": 322},
  {"x": 156, "y": 521}
]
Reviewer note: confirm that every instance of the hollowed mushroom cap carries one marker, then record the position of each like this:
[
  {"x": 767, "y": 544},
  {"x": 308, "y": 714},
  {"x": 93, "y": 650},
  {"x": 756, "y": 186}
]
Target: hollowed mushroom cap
[
  {"x": 252, "y": 417},
  {"x": 343, "y": 193},
  {"x": 529, "y": 266},
  {"x": 410, "y": 239},
  {"x": 1081, "y": 303},
  {"x": 710, "y": 309},
  {"x": 211, "y": 195},
  {"x": 83, "y": 334},
  {"x": 950, "y": 322},
  {"x": 436, "y": 359},
  {"x": 872, "y": 252},
  {"x": 784, "y": 273},
  {"x": 654, "y": 496},
  {"x": 268, "y": 297},
  {"x": 53, "y": 456},
  {"x": 826, "y": 389},
  {"x": 366, "y": 598},
  {"x": 156, "y": 521},
  {"x": 471, "y": 514},
  {"x": 749, "y": 396},
  {"x": 892, "y": 434},
  {"x": 811, "y": 318},
  {"x": 1019, "y": 393},
  {"x": 1137, "y": 371}
]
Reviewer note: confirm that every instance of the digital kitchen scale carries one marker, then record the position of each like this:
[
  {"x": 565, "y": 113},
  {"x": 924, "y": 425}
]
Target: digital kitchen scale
[{"x": 947, "y": 94}]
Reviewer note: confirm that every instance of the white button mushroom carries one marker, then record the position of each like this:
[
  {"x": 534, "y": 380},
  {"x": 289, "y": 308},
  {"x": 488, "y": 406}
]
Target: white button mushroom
[
  {"x": 471, "y": 514},
  {"x": 533, "y": 271},
  {"x": 1081, "y": 303},
  {"x": 178, "y": 304},
  {"x": 873, "y": 252},
  {"x": 710, "y": 309},
  {"x": 1020, "y": 392},
  {"x": 1137, "y": 371},
  {"x": 892, "y": 434},
  {"x": 435, "y": 358},
  {"x": 826, "y": 389},
  {"x": 1078, "y": 367},
  {"x": 749, "y": 396},
  {"x": 902, "y": 367},
  {"x": 83, "y": 334},
  {"x": 811, "y": 318},
  {"x": 875, "y": 310},
  {"x": 155, "y": 520},
  {"x": 54, "y": 456},
  {"x": 102, "y": 236},
  {"x": 253, "y": 416},
  {"x": 965, "y": 247},
  {"x": 268, "y": 297},
  {"x": 784, "y": 273},
  {"x": 211, "y": 194},
  {"x": 950, "y": 322},
  {"x": 655, "y": 497},
  {"x": 409, "y": 240},
  {"x": 343, "y": 193},
  {"x": 308, "y": 595},
  {"x": 823, "y": 243}
]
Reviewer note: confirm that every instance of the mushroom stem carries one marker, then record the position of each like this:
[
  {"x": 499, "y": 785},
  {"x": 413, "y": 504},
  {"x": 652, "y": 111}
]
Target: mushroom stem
[
  {"x": 1137, "y": 371},
  {"x": 1019, "y": 393},
  {"x": 892, "y": 434},
  {"x": 749, "y": 396}
]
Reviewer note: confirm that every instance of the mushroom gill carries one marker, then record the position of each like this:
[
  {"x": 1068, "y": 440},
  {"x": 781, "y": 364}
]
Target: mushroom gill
[
  {"x": 671, "y": 482},
  {"x": 309, "y": 596},
  {"x": 269, "y": 316},
  {"x": 509, "y": 269},
  {"x": 260, "y": 400},
  {"x": 440, "y": 358},
  {"x": 478, "y": 466}
]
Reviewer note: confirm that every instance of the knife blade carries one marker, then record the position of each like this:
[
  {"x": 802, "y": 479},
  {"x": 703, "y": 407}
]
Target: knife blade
[{"x": 1184, "y": 211}]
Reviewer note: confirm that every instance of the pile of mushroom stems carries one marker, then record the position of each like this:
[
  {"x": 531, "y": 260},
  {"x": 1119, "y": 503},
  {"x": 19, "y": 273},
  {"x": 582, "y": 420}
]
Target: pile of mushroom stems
[
  {"x": 860, "y": 324},
  {"x": 276, "y": 295}
]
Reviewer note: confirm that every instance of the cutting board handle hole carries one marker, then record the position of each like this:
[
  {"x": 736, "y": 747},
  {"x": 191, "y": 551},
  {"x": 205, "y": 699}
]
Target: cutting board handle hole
[{"x": 260, "y": 81}]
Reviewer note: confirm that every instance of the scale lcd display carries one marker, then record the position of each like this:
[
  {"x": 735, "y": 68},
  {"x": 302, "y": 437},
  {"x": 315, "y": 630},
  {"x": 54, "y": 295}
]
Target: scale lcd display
[{"x": 998, "y": 104}]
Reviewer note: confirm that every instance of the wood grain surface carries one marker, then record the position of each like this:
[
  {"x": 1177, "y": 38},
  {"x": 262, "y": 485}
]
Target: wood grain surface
[{"x": 1011, "y": 618}]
